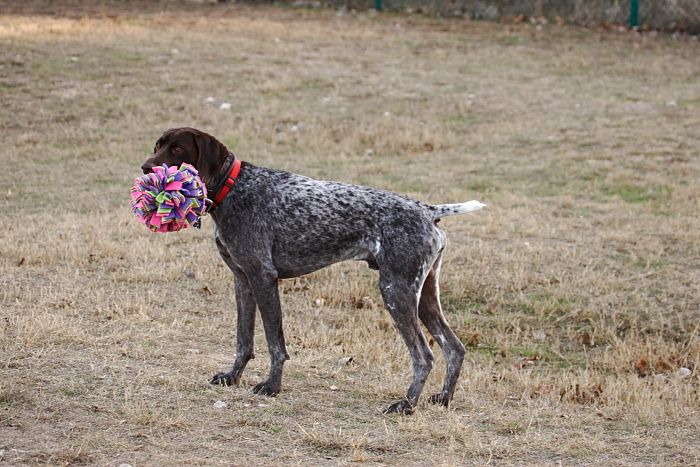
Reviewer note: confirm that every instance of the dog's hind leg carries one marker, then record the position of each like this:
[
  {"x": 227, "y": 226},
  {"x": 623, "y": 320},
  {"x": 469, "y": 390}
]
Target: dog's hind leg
[
  {"x": 430, "y": 313},
  {"x": 401, "y": 299}
]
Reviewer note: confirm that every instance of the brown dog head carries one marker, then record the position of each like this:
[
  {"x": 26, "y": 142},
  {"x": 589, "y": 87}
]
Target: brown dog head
[{"x": 189, "y": 145}]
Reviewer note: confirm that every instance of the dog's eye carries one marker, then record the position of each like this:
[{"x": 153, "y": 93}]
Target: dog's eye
[{"x": 176, "y": 149}]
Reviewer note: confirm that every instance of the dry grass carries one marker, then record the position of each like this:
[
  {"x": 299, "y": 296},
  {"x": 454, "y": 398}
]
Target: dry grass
[{"x": 577, "y": 291}]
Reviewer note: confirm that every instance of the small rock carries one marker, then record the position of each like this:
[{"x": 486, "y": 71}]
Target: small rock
[
  {"x": 369, "y": 152},
  {"x": 333, "y": 387},
  {"x": 124, "y": 465},
  {"x": 174, "y": 51},
  {"x": 387, "y": 114},
  {"x": 684, "y": 372},
  {"x": 319, "y": 302},
  {"x": 220, "y": 405},
  {"x": 263, "y": 405},
  {"x": 225, "y": 106},
  {"x": 345, "y": 360},
  {"x": 209, "y": 99},
  {"x": 671, "y": 103},
  {"x": 660, "y": 378}
]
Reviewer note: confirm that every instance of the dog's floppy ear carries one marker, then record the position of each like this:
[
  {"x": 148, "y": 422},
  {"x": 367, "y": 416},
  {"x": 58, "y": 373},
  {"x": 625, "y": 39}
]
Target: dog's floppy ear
[{"x": 211, "y": 155}]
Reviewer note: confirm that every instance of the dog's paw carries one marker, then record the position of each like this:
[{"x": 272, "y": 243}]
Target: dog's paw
[
  {"x": 222, "y": 379},
  {"x": 402, "y": 407},
  {"x": 439, "y": 399},
  {"x": 266, "y": 389}
]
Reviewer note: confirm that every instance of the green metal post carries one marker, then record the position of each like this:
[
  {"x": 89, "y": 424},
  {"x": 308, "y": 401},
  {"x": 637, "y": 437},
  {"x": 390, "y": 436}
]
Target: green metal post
[
  {"x": 634, "y": 13},
  {"x": 378, "y": 5}
]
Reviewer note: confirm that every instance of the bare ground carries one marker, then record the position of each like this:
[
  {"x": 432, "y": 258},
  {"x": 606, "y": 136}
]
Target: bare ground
[{"x": 577, "y": 291}]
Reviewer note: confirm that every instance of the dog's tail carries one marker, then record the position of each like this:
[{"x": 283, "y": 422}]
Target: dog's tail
[{"x": 443, "y": 210}]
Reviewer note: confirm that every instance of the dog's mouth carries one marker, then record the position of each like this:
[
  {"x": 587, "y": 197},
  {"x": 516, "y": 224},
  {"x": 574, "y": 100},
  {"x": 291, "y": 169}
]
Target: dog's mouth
[{"x": 147, "y": 168}]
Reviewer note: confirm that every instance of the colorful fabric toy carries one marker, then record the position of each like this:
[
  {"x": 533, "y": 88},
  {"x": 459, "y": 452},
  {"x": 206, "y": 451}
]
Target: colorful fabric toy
[{"x": 169, "y": 199}]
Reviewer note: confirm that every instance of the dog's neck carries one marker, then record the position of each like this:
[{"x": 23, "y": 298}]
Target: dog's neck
[{"x": 219, "y": 179}]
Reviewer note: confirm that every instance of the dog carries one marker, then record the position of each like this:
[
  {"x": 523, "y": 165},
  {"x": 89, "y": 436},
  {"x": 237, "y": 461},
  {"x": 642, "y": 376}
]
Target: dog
[{"x": 271, "y": 225}]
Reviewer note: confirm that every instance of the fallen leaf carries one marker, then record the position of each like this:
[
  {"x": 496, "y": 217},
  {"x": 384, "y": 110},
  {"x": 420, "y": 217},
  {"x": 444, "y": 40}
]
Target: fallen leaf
[
  {"x": 642, "y": 368},
  {"x": 586, "y": 339},
  {"x": 363, "y": 302},
  {"x": 662, "y": 364},
  {"x": 473, "y": 340},
  {"x": 524, "y": 362},
  {"x": 542, "y": 390}
]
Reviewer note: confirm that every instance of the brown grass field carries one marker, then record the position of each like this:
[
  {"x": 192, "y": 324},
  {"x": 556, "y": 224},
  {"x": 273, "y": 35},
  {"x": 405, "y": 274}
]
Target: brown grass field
[{"x": 577, "y": 291}]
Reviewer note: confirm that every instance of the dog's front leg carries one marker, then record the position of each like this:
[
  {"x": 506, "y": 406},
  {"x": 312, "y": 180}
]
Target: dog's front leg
[
  {"x": 245, "y": 329},
  {"x": 264, "y": 284},
  {"x": 245, "y": 324}
]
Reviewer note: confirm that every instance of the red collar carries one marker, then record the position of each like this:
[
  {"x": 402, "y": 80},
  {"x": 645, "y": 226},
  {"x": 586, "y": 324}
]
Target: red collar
[{"x": 228, "y": 184}]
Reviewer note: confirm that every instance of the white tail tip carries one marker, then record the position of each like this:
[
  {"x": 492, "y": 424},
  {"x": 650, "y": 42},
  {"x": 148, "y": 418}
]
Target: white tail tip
[
  {"x": 442, "y": 210},
  {"x": 472, "y": 205}
]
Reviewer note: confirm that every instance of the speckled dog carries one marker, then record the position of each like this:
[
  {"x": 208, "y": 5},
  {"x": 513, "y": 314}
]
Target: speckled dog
[{"x": 272, "y": 225}]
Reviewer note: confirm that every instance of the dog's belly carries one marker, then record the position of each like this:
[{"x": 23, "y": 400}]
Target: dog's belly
[{"x": 297, "y": 262}]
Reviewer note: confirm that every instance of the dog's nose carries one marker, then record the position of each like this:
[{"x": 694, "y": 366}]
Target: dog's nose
[{"x": 147, "y": 167}]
